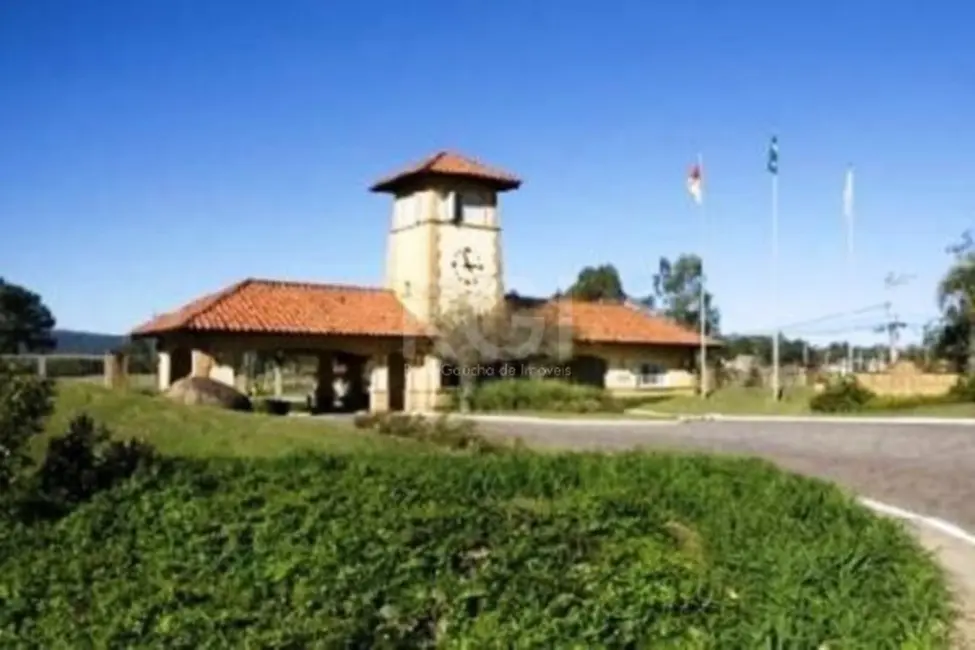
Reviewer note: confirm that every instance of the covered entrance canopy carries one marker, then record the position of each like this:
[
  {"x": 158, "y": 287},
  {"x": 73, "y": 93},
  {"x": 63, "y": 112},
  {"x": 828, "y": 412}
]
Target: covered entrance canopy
[
  {"x": 366, "y": 330},
  {"x": 386, "y": 353}
]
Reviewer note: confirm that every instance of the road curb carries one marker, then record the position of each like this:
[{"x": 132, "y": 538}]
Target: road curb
[
  {"x": 826, "y": 419},
  {"x": 531, "y": 419},
  {"x": 829, "y": 419}
]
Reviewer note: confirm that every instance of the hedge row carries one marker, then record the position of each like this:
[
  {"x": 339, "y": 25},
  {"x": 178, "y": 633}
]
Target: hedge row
[{"x": 538, "y": 395}]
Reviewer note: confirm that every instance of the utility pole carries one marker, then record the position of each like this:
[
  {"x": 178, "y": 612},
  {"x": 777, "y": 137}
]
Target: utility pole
[
  {"x": 891, "y": 282},
  {"x": 890, "y": 333}
]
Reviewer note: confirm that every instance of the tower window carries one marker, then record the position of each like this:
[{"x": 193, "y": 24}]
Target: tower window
[{"x": 458, "y": 213}]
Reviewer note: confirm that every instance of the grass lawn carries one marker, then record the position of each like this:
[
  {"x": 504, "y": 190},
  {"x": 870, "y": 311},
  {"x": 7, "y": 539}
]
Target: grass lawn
[
  {"x": 204, "y": 432},
  {"x": 394, "y": 548},
  {"x": 757, "y": 401},
  {"x": 933, "y": 411},
  {"x": 734, "y": 401}
]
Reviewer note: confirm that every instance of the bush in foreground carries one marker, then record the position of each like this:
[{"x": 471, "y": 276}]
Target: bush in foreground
[
  {"x": 541, "y": 395},
  {"x": 514, "y": 550},
  {"x": 85, "y": 460}
]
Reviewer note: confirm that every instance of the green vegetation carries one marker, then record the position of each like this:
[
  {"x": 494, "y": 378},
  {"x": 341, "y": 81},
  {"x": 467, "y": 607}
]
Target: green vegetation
[
  {"x": 441, "y": 431},
  {"x": 538, "y": 395},
  {"x": 837, "y": 398},
  {"x": 408, "y": 546},
  {"x": 399, "y": 550}
]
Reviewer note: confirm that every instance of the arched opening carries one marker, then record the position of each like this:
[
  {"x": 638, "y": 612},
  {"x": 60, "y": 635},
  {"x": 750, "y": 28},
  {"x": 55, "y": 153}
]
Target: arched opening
[
  {"x": 180, "y": 364},
  {"x": 589, "y": 371}
]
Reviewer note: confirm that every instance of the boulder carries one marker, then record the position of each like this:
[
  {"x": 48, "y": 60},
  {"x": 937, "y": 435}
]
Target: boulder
[{"x": 203, "y": 390}]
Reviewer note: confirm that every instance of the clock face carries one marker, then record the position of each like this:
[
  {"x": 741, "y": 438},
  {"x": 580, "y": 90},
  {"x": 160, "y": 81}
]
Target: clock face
[{"x": 467, "y": 266}]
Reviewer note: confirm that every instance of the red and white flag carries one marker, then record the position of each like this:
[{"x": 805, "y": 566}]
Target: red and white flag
[{"x": 695, "y": 183}]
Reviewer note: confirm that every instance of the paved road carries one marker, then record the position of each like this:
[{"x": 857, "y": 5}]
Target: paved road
[{"x": 929, "y": 469}]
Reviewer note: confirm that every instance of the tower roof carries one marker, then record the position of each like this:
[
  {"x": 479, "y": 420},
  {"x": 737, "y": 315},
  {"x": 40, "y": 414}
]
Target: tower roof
[{"x": 450, "y": 165}]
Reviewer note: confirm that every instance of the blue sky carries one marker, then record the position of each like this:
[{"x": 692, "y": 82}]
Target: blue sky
[{"x": 157, "y": 150}]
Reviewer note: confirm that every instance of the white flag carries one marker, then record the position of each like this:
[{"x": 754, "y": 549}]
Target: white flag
[{"x": 848, "y": 209}]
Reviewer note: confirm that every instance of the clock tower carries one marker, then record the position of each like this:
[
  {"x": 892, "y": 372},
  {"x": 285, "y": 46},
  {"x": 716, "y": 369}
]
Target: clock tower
[{"x": 444, "y": 246}]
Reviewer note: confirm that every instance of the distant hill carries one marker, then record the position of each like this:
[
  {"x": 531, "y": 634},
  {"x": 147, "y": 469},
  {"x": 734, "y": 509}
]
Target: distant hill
[{"x": 73, "y": 342}]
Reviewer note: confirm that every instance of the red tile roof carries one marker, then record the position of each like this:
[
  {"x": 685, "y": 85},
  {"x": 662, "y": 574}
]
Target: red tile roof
[
  {"x": 447, "y": 163},
  {"x": 604, "y": 322},
  {"x": 274, "y": 307}
]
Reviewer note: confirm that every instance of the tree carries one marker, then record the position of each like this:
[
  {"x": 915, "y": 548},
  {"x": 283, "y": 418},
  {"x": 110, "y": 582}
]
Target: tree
[
  {"x": 25, "y": 402},
  {"x": 956, "y": 299},
  {"x": 598, "y": 283},
  {"x": 26, "y": 324},
  {"x": 472, "y": 341},
  {"x": 677, "y": 293}
]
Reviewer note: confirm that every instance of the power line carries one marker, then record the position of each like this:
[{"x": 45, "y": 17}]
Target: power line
[
  {"x": 878, "y": 328},
  {"x": 873, "y": 326},
  {"x": 834, "y": 316}
]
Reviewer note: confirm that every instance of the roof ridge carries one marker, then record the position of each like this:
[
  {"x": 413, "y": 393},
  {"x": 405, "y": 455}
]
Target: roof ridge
[
  {"x": 320, "y": 285},
  {"x": 447, "y": 162}
]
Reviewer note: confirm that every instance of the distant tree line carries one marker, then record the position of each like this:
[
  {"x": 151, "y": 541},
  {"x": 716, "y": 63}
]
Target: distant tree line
[{"x": 27, "y": 326}]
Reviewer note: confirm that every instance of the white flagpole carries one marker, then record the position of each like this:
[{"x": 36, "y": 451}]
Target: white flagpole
[
  {"x": 704, "y": 315},
  {"x": 848, "y": 214},
  {"x": 775, "y": 284}
]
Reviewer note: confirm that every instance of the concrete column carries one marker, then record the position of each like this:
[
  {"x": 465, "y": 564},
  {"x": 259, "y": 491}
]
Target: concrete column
[
  {"x": 116, "y": 370},
  {"x": 164, "y": 370},
  {"x": 278, "y": 381},
  {"x": 423, "y": 384},
  {"x": 378, "y": 386},
  {"x": 325, "y": 383}
]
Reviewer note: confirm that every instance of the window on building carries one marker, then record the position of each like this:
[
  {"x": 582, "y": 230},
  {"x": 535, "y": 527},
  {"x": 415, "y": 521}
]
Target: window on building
[
  {"x": 651, "y": 374},
  {"x": 457, "y": 216}
]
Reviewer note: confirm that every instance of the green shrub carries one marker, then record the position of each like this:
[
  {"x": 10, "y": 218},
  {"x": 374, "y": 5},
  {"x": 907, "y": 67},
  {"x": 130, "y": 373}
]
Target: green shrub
[
  {"x": 274, "y": 406},
  {"x": 542, "y": 395},
  {"x": 365, "y": 420},
  {"x": 842, "y": 395},
  {"x": 423, "y": 551},
  {"x": 25, "y": 401},
  {"x": 85, "y": 460},
  {"x": 964, "y": 389},
  {"x": 442, "y": 431}
]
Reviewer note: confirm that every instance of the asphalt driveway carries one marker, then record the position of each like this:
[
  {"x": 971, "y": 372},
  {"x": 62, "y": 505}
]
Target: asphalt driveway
[{"x": 929, "y": 469}]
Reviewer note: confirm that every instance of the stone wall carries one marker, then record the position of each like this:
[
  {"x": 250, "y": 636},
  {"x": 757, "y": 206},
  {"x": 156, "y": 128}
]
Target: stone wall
[{"x": 905, "y": 379}]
